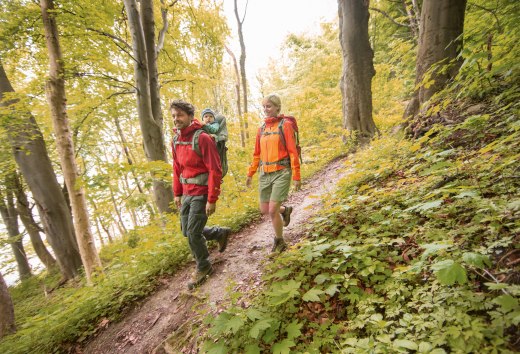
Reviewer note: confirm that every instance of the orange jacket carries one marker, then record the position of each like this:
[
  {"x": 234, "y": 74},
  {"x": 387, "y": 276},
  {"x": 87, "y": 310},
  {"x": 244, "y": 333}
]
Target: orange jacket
[{"x": 270, "y": 148}]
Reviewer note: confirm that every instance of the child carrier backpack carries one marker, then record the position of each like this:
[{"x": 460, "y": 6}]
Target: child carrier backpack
[
  {"x": 292, "y": 120},
  {"x": 220, "y": 140}
]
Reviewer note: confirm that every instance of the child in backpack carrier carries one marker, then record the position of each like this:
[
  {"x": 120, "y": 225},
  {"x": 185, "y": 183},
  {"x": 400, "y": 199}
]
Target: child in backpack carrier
[{"x": 209, "y": 124}]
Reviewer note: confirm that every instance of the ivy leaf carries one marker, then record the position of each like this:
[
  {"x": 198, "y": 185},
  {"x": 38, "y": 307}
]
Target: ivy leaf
[
  {"x": 252, "y": 349},
  {"x": 293, "y": 329},
  {"x": 283, "y": 347},
  {"x": 425, "y": 347},
  {"x": 476, "y": 259},
  {"x": 220, "y": 323},
  {"x": 466, "y": 194},
  {"x": 218, "y": 348},
  {"x": 433, "y": 248},
  {"x": 448, "y": 272},
  {"x": 426, "y": 206},
  {"x": 312, "y": 295},
  {"x": 254, "y": 314},
  {"x": 321, "y": 278},
  {"x": 259, "y": 328},
  {"x": 283, "y": 292},
  {"x": 507, "y": 302},
  {"x": 404, "y": 343},
  {"x": 234, "y": 324},
  {"x": 331, "y": 290},
  {"x": 496, "y": 286}
]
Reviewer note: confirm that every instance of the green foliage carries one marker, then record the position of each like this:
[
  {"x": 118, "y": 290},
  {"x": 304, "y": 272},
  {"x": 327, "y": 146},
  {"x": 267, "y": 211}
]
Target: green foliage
[{"x": 411, "y": 254}]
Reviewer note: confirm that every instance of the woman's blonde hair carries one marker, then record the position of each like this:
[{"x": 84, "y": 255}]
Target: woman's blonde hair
[{"x": 274, "y": 99}]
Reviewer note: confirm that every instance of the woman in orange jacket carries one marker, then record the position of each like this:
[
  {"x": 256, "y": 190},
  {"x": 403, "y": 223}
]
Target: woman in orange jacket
[{"x": 278, "y": 160}]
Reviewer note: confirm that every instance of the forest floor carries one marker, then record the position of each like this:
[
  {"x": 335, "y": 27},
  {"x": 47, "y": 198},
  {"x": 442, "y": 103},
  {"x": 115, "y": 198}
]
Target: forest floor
[{"x": 146, "y": 328}]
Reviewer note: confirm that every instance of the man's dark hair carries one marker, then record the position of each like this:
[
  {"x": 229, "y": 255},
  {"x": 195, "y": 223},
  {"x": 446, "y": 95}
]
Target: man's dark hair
[{"x": 183, "y": 106}]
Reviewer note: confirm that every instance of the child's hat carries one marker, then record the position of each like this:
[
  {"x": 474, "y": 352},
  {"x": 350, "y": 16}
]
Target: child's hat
[{"x": 207, "y": 110}]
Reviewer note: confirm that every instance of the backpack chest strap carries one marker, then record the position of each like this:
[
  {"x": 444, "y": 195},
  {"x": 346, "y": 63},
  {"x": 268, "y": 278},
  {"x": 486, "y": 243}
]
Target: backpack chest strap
[
  {"x": 283, "y": 162},
  {"x": 200, "y": 180}
]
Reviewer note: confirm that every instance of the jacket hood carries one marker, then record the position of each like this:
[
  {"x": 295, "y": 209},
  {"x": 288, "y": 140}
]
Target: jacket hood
[{"x": 270, "y": 120}]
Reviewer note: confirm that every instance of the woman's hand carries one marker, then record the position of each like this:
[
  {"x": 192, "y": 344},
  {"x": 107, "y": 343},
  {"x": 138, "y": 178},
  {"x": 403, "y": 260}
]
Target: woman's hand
[
  {"x": 249, "y": 180},
  {"x": 297, "y": 185}
]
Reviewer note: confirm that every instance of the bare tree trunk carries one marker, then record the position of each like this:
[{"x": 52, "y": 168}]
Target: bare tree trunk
[
  {"x": 440, "y": 42},
  {"x": 358, "y": 69},
  {"x": 130, "y": 160},
  {"x": 35, "y": 165},
  {"x": 243, "y": 67},
  {"x": 10, "y": 218},
  {"x": 57, "y": 102},
  {"x": 237, "y": 90},
  {"x": 127, "y": 153},
  {"x": 151, "y": 125},
  {"x": 7, "y": 324},
  {"x": 22, "y": 207},
  {"x": 412, "y": 17}
]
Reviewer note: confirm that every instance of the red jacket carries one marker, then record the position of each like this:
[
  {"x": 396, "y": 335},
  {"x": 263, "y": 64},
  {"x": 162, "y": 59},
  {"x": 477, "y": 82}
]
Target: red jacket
[{"x": 188, "y": 163}]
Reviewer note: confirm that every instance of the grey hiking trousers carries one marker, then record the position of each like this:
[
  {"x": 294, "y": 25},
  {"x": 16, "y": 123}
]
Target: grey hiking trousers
[{"x": 193, "y": 226}]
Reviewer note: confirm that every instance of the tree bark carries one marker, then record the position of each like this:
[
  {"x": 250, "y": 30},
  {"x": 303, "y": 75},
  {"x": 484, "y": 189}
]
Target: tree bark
[
  {"x": 30, "y": 154},
  {"x": 7, "y": 324},
  {"x": 237, "y": 90},
  {"x": 358, "y": 69},
  {"x": 10, "y": 218},
  {"x": 151, "y": 125},
  {"x": 243, "y": 67},
  {"x": 56, "y": 97},
  {"x": 24, "y": 212},
  {"x": 440, "y": 42}
]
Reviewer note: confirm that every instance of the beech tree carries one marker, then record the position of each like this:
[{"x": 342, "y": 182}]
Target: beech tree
[
  {"x": 10, "y": 218},
  {"x": 440, "y": 42},
  {"x": 242, "y": 60},
  {"x": 57, "y": 101},
  {"x": 141, "y": 24},
  {"x": 358, "y": 68},
  {"x": 23, "y": 210},
  {"x": 238, "y": 101},
  {"x": 7, "y": 324},
  {"x": 31, "y": 156}
]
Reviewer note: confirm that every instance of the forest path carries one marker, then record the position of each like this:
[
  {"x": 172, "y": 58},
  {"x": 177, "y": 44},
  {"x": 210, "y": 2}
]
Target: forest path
[{"x": 146, "y": 327}]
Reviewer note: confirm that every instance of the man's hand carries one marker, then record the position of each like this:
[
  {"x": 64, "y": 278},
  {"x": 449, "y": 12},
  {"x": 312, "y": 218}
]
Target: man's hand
[
  {"x": 178, "y": 202},
  {"x": 249, "y": 180},
  {"x": 210, "y": 208},
  {"x": 297, "y": 185}
]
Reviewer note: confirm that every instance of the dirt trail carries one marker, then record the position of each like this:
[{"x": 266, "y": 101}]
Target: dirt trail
[{"x": 147, "y": 326}]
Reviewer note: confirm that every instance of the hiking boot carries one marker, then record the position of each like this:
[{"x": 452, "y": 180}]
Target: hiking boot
[
  {"x": 279, "y": 245},
  {"x": 286, "y": 215},
  {"x": 199, "y": 277},
  {"x": 223, "y": 240}
]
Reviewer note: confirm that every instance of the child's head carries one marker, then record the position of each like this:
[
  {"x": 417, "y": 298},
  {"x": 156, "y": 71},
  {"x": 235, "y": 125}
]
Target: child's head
[{"x": 208, "y": 115}]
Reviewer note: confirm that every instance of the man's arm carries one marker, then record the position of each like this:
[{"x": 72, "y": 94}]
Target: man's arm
[
  {"x": 208, "y": 150},
  {"x": 177, "y": 186}
]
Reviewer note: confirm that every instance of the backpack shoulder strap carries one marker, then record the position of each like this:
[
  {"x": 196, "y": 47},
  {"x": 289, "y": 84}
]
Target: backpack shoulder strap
[
  {"x": 280, "y": 128},
  {"x": 195, "y": 141}
]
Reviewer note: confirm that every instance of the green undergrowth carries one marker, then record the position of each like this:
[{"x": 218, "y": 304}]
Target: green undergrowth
[
  {"x": 417, "y": 252},
  {"x": 58, "y": 319},
  {"x": 49, "y": 319}
]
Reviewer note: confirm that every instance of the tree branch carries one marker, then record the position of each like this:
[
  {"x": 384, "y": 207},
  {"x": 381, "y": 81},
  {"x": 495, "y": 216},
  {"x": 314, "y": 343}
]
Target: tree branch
[
  {"x": 115, "y": 38},
  {"x": 389, "y": 17}
]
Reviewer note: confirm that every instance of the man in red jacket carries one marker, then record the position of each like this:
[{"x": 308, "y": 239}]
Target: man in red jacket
[{"x": 196, "y": 187}]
